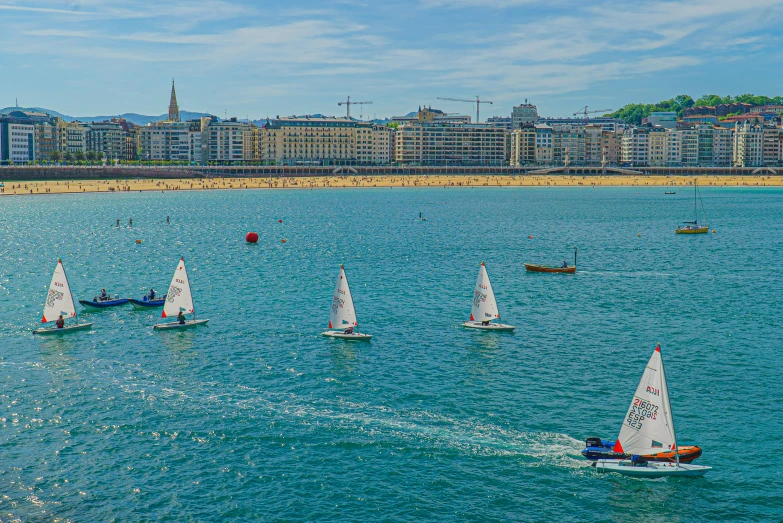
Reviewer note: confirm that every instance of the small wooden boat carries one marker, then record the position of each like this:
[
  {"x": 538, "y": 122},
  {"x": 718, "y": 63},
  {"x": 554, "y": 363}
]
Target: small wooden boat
[
  {"x": 59, "y": 302},
  {"x": 485, "y": 307},
  {"x": 105, "y": 304},
  {"x": 179, "y": 299},
  {"x": 530, "y": 267},
  {"x": 671, "y": 192},
  {"x": 147, "y": 303},
  {"x": 343, "y": 313}
]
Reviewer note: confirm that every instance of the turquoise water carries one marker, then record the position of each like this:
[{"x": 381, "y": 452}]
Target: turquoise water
[{"x": 258, "y": 417}]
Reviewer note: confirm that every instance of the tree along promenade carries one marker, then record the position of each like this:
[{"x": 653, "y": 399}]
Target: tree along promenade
[{"x": 32, "y": 173}]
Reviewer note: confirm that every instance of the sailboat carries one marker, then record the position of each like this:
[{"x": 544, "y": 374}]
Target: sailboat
[
  {"x": 343, "y": 313},
  {"x": 694, "y": 227},
  {"x": 179, "y": 299},
  {"x": 648, "y": 429},
  {"x": 59, "y": 302},
  {"x": 485, "y": 308}
]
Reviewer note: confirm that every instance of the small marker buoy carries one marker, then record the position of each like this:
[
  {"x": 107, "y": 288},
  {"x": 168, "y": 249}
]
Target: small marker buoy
[
  {"x": 279, "y": 221},
  {"x": 530, "y": 237},
  {"x": 138, "y": 241},
  {"x": 251, "y": 237},
  {"x": 283, "y": 240},
  {"x": 713, "y": 231},
  {"x": 638, "y": 234}
]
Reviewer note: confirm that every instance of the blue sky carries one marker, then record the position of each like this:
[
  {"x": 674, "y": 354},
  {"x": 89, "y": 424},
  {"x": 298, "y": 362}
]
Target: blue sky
[{"x": 245, "y": 58}]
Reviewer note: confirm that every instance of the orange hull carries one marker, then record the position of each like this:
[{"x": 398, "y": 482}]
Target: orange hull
[
  {"x": 542, "y": 268},
  {"x": 687, "y": 454}
]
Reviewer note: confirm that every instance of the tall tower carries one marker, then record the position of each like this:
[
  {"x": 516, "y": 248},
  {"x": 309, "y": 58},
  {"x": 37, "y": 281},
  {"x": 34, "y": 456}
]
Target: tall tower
[{"x": 173, "y": 107}]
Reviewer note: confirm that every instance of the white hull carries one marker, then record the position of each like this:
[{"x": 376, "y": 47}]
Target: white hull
[
  {"x": 490, "y": 327},
  {"x": 354, "y": 336},
  {"x": 177, "y": 325},
  {"x": 650, "y": 469},
  {"x": 67, "y": 328}
]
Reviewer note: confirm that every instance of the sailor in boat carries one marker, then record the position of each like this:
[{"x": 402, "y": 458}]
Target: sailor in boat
[
  {"x": 485, "y": 322},
  {"x": 181, "y": 318},
  {"x": 103, "y": 296},
  {"x": 348, "y": 330},
  {"x": 60, "y": 322},
  {"x": 565, "y": 264},
  {"x": 152, "y": 294}
]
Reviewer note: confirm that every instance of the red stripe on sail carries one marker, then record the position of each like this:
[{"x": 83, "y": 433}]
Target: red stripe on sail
[
  {"x": 618, "y": 447},
  {"x": 471, "y": 317},
  {"x": 330, "y": 324},
  {"x": 43, "y": 319},
  {"x": 163, "y": 315}
]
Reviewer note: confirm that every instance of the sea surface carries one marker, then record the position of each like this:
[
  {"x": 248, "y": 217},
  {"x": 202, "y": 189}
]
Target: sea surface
[{"x": 257, "y": 417}]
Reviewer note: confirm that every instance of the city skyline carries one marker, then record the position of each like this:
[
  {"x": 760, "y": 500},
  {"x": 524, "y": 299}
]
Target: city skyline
[{"x": 237, "y": 59}]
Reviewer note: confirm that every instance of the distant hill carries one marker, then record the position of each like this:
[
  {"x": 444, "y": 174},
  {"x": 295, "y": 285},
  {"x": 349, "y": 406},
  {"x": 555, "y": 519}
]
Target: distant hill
[{"x": 138, "y": 119}]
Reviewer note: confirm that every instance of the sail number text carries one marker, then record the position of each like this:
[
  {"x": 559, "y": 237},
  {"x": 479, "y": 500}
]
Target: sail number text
[{"x": 641, "y": 410}]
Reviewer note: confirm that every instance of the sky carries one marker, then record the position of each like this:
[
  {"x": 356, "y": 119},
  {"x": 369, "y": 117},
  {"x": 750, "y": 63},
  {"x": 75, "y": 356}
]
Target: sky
[{"x": 267, "y": 57}]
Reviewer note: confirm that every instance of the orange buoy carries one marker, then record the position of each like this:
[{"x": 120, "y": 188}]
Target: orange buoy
[
  {"x": 138, "y": 241},
  {"x": 283, "y": 240},
  {"x": 279, "y": 221},
  {"x": 251, "y": 237},
  {"x": 713, "y": 231},
  {"x": 530, "y": 237}
]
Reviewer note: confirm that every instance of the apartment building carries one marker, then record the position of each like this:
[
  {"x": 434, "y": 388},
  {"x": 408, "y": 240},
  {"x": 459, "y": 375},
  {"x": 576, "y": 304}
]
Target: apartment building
[
  {"x": 748, "y": 145},
  {"x": 635, "y": 151},
  {"x": 17, "y": 140},
  {"x": 450, "y": 144},
  {"x": 544, "y": 144},
  {"x": 722, "y": 147},
  {"x": 656, "y": 147},
  {"x": 523, "y": 114},
  {"x": 568, "y": 144},
  {"x": 171, "y": 141},
  {"x": 611, "y": 147},
  {"x": 673, "y": 148},
  {"x": 523, "y": 145},
  {"x": 227, "y": 141}
]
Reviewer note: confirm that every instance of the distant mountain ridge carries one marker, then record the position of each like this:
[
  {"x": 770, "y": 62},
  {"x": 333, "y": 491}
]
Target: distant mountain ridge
[{"x": 138, "y": 119}]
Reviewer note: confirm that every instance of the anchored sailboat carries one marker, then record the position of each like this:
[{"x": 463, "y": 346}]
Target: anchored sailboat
[
  {"x": 648, "y": 429},
  {"x": 59, "y": 306},
  {"x": 179, "y": 301},
  {"x": 343, "y": 314},
  {"x": 694, "y": 227},
  {"x": 485, "y": 307}
]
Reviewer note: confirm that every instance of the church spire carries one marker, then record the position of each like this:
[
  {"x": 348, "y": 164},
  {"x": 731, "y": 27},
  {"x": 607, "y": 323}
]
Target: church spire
[{"x": 173, "y": 107}]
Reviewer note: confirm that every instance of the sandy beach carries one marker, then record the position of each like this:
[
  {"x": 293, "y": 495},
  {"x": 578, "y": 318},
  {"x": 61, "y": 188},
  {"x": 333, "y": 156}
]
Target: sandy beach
[{"x": 187, "y": 184}]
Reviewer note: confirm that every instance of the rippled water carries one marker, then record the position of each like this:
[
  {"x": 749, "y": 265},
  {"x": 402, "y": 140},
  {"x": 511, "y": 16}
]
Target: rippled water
[{"x": 256, "y": 416}]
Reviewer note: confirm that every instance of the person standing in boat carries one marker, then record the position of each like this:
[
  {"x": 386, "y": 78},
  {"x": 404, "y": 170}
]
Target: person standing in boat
[
  {"x": 181, "y": 318},
  {"x": 152, "y": 294},
  {"x": 565, "y": 264},
  {"x": 103, "y": 296},
  {"x": 60, "y": 322}
]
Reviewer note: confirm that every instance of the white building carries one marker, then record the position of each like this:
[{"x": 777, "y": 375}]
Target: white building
[
  {"x": 171, "y": 141},
  {"x": 748, "y": 143},
  {"x": 523, "y": 114},
  {"x": 17, "y": 141},
  {"x": 635, "y": 150},
  {"x": 544, "y": 144}
]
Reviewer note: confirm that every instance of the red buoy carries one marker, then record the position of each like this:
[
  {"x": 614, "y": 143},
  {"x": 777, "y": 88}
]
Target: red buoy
[
  {"x": 251, "y": 237},
  {"x": 531, "y": 237},
  {"x": 279, "y": 221},
  {"x": 283, "y": 240}
]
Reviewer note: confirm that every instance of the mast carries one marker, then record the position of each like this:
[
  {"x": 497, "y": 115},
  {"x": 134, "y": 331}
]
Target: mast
[
  {"x": 668, "y": 406},
  {"x": 695, "y": 206},
  {"x": 575, "y": 250},
  {"x": 75, "y": 312}
]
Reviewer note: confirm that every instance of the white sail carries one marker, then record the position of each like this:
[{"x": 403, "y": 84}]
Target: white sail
[
  {"x": 484, "y": 308},
  {"x": 59, "y": 300},
  {"x": 648, "y": 427},
  {"x": 178, "y": 298},
  {"x": 343, "y": 314}
]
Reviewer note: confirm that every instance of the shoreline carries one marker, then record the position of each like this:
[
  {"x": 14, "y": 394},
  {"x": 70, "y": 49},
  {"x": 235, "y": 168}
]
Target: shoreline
[{"x": 20, "y": 188}]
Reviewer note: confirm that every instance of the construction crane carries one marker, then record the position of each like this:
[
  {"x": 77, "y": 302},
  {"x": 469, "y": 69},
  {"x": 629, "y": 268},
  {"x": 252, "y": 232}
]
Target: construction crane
[
  {"x": 585, "y": 112},
  {"x": 478, "y": 101},
  {"x": 348, "y": 103}
]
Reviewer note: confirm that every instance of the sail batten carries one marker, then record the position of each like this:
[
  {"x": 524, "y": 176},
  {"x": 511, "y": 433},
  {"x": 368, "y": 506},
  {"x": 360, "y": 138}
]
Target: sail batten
[
  {"x": 484, "y": 307},
  {"x": 342, "y": 314},
  {"x": 648, "y": 426},
  {"x": 179, "y": 297},
  {"x": 59, "y": 301}
]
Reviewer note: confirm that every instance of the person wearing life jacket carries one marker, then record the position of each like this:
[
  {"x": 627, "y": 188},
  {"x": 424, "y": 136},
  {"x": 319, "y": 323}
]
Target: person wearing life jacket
[
  {"x": 60, "y": 322},
  {"x": 103, "y": 296},
  {"x": 181, "y": 318},
  {"x": 348, "y": 330},
  {"x": 152, "y": 294}
]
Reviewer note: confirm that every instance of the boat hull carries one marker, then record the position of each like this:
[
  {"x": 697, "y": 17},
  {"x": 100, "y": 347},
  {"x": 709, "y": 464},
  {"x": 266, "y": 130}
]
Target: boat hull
[
  {"x": 498, "y": 327},
  {"x": 542, "y": 268},
  {"x": 141, "y": 305},
  {"x": 175, "y": 325},
  {"x": 354, "y": 336},
  {"x": 64, "y": 330},
  {"x": 687, "y": 453},
  {"x": 100, "y": 305},
  {"x": 698, "y": 230},
  {"x": 650, "y": 469}
]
